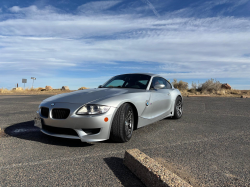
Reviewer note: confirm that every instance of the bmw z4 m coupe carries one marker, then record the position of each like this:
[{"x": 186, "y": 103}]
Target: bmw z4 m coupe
[{"x": 113, "y": 110}]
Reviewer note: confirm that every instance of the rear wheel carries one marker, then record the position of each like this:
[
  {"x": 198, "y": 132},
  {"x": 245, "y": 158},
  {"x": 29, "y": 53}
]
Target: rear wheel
[
  {"x": 123, "y": 124},
  {"x": 178, "y": 109}
]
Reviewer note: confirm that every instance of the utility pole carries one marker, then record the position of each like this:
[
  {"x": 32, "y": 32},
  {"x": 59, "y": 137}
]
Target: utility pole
[{"x": 33, "y": 81}]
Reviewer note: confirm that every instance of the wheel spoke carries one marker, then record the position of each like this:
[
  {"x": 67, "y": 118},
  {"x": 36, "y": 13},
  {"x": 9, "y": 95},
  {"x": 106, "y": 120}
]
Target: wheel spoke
[
  {"x": 179, "y": 108},
  {"x": 129, "y": 115},
  {"x": 128, "y": 123}
]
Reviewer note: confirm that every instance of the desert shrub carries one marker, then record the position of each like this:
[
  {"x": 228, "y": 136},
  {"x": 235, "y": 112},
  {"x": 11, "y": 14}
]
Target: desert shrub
[
  {"x": 32, "y": 89},
  {"x": 40, "y": 89},
  {"x": 17, "y": 89},
  {"x": 211, "y": 86},
  {"x": 196, "y": 87},
  {"x": 65, "y": 88},
  {"x": 48, "y": 88},
  {"x": 82, "y": 88},
  {"x": 184, "y": 92},
  {"x": 181, "y": 85},
  {"x": 192, "y": 90}
]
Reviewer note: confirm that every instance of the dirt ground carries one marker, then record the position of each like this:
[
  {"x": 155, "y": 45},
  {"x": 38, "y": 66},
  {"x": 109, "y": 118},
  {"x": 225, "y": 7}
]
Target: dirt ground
[
  {"x": 222, "y": 93},
  {"x": 35, "y": 92}
]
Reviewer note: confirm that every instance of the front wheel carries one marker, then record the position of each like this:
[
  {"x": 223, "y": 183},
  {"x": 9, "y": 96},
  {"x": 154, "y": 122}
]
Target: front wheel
[
  {"x": 123, "y": 124},
  {"x": 178, "y": 109}
]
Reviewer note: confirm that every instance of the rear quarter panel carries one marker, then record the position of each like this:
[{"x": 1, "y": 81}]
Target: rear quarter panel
[{"x": 174, "y": 94}]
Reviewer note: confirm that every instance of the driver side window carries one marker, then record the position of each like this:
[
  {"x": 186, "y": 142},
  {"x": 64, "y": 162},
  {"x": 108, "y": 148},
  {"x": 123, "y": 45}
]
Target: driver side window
[{"x": 158, "y": 80}]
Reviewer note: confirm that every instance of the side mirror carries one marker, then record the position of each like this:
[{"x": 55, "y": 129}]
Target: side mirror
[
  {"x": 159, "y": 86},
  {"x": 100, "y": 86}
]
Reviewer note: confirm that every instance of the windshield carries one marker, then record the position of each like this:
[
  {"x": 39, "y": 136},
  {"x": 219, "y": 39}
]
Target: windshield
[{"x": 137, "y": 81}]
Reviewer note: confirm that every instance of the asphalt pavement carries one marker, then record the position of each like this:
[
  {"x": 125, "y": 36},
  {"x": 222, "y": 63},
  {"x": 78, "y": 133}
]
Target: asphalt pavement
[{"x": 208, "y": 146}]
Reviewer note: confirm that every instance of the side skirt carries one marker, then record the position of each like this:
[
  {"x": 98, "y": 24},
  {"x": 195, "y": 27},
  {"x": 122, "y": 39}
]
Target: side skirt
[{"x": 146, "y": 121}]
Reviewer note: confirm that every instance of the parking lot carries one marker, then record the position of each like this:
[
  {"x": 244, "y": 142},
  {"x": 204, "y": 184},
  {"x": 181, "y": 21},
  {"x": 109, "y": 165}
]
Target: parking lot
[{"x": 208, "y": 146}]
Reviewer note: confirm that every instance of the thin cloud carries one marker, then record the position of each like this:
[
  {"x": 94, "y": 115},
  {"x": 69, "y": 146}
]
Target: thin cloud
[
  {"x": 49, "y": 42},
  {"x": 96, "y": 6},
  {"x": 151, "y": 7},
  {"x": 208, "y": 8}
]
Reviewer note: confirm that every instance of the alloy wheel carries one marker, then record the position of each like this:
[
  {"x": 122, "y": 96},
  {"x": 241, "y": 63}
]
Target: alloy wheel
[
  {"x": 179, "y": 108},
  {"x": 129, "y": 123}
]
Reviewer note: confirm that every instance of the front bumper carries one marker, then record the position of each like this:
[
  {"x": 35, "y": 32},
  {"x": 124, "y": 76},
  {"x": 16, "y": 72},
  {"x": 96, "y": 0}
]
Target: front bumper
[{"x": 79, "y": 123}]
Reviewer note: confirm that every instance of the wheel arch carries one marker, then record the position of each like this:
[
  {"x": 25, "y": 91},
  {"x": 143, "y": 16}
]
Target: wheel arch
[
  {"x": 113, "y": 129},
  {"x": 135, "y": 112},
  {"x": 174, "y": 100},
  {"x": 179, "y": 95}
]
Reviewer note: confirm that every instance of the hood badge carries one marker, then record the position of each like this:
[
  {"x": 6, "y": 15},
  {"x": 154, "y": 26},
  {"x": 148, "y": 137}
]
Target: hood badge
[{"x": 52, "y": 104}]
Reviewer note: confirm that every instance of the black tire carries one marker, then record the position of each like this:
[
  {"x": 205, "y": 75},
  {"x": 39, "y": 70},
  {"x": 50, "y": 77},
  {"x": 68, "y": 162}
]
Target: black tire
[
  {"x": 123, "y": 124},
  {"x": 178, "y": 108}
]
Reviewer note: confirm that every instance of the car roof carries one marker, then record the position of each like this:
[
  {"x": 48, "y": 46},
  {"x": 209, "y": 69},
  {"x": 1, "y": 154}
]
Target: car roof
[{"x": 150, "y": 74}]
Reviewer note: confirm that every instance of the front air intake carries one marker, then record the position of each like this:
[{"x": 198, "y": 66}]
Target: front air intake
[
  {"x": 60, "y": 113},
  {"x": 59, "y": 130},
  {"x": 45, "y": 112}
]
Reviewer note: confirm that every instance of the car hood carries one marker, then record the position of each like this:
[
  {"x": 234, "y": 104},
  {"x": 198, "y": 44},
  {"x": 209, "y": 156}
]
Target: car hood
[{"x": 90, "y": 95}]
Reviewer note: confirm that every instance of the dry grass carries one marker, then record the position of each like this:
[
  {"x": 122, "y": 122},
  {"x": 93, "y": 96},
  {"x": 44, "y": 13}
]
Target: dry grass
[
  {"x": 185, "y": 92},
  {"x": 247, "y": 92},
  {"x": 32, "y": 91},
  {"x": 221, "y": 92},
  {"x": 83, "y": 88},
  {"x": 2, "y": 133},
  {"x": 235, "y": 92},
  {"x": 4, "y": 90},
  {"x": 218, "y": 93},
  {"x": 39, "y": 89}
]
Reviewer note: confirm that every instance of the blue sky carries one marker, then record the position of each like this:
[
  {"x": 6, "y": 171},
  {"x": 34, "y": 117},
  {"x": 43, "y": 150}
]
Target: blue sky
[{"x": 83, "y": 43}]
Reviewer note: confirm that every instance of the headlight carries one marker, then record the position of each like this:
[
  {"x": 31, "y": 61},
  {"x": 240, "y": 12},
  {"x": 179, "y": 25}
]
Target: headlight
[{"x": 93, "y": 109}]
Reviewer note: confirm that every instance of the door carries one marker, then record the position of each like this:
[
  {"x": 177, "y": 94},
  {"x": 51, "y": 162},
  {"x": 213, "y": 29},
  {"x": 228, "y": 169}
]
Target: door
[{"x": 160, "y": 100}]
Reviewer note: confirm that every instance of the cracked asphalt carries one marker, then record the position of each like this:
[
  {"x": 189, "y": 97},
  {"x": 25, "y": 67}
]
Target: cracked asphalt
[{"x": 208, "y": 146}]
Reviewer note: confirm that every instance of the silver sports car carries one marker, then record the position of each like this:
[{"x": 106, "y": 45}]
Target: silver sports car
[{"x": 113, "y": 110}]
